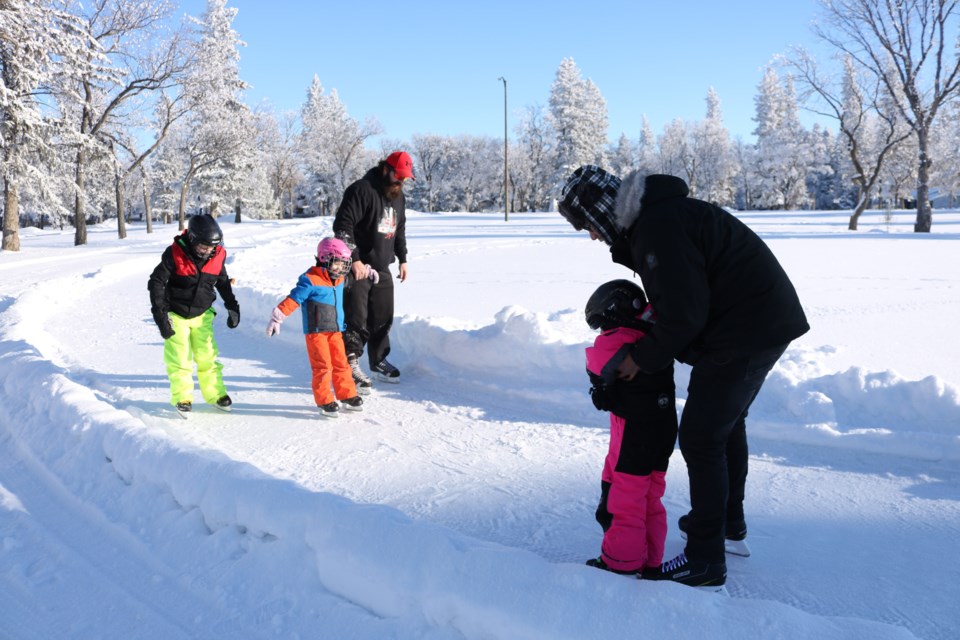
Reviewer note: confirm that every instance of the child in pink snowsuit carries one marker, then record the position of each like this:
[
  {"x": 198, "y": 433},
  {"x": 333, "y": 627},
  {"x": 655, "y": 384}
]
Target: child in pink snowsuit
[{"x": 643, "y": 432}]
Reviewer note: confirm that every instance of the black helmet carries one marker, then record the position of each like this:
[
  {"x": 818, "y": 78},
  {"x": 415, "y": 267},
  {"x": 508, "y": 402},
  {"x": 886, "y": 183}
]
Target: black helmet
[
  {"x": 203, "y": 229},
  {"x": 615, "y": 304}
]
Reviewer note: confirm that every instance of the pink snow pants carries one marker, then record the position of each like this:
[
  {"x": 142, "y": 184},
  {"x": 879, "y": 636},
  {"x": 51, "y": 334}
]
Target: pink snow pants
[{"x": 638, "y": 530}]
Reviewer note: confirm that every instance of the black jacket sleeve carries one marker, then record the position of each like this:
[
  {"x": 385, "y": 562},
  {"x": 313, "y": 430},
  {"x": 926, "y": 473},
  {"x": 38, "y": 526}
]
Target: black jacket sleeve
[
  {"x": 225, "y": 288},
  {"x": 157, "y": 286}
]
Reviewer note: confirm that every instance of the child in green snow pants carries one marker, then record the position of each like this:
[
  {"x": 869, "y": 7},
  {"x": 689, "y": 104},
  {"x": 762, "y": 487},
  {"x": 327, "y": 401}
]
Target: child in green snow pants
[{"x": 193, "y": 342}]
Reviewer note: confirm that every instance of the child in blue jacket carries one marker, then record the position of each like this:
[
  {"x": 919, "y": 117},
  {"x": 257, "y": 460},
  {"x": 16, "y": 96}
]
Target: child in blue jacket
[{"x": 319, "y": 294}]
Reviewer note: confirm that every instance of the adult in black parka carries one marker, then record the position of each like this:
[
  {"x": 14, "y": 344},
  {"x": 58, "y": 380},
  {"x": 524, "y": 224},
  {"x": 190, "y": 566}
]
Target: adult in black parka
[{"x": 725, "y": 306}]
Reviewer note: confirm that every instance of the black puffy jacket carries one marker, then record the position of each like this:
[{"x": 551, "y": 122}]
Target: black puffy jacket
[
  {"x": 183, "y": 284},
  {"x": 715, "y": 285}
]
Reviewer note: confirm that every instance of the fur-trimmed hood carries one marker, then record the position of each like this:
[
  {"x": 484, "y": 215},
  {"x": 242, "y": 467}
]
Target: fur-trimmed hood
[{"x": 637, "y": 189}]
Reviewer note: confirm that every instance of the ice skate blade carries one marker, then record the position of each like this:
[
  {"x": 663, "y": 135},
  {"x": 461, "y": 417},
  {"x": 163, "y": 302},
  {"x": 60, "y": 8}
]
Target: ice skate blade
[
  {"x": 737, "y": 548},
  {"x": 720, "y": 589},
  {"x": 383, "y": 378},
  {"x": 733, "y": 547}
]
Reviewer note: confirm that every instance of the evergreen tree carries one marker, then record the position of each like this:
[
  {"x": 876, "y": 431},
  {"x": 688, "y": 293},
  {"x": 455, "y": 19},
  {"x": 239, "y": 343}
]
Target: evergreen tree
[
  {"x": 783, "y": 152},
  {"x": 712, "y": 146},
  {"x": 580, "y": 119}
]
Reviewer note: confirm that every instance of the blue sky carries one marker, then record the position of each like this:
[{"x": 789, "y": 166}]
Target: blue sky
[{"x": 433, "y": 67}]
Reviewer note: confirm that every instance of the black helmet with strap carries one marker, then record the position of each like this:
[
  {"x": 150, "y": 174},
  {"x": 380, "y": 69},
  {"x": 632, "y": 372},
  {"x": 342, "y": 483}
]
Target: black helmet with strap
[
  {"x": 616, "y": 304},
  {"x": 203, "y": 229}
]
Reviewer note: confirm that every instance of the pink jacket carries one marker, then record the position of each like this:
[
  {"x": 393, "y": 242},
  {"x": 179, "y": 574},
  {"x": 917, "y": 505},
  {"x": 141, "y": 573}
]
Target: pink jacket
[{"x": 612, "y": 346}]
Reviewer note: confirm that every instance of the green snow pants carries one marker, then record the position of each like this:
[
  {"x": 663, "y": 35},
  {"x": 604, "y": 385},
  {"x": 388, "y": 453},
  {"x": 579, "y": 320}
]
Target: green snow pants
[{"x": 192, "y": 343}]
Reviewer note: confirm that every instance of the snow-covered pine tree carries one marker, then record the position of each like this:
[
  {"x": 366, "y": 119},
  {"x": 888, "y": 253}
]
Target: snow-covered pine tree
[
  {"x": 783, "y": 150},
  {"x": 712, "y": 145},
  {"x": 579, "y": 116}
]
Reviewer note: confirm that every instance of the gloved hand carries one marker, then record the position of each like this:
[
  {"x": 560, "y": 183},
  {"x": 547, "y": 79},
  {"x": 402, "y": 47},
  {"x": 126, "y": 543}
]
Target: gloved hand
[
  {"x": 372, "y": 274},
  {"x": 233, "y": 317},
  {"x": 601, "y": 396},
  {"x": 276, "y": 319},
  {"x": 163, "y": 322}
]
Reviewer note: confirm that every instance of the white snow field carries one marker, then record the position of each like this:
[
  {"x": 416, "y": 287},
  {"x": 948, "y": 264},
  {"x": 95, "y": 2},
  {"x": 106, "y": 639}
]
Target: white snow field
[{"x": 459, "y": 503}]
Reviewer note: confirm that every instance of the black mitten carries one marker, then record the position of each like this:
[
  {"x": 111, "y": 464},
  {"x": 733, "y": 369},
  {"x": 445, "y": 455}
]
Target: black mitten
[
  {"x": 601, "y": 396},
  {"x": 163, "y": 323}
]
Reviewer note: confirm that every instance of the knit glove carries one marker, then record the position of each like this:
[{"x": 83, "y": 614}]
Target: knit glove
[
  {"x": 276, "y": 319},
  {"x": 372, "y": 274}
]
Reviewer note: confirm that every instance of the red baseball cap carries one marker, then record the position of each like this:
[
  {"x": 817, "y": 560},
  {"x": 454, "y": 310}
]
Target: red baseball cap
[{"x": 402, "y": 164}]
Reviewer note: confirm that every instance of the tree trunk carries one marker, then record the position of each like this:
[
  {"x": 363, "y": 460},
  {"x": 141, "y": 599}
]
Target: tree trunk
[
  {"x": 146, "y": 208},
  {"x": 182, "y": 213},
  {"x": 859, "y": 209},
  {"x": 236, "y": 209},
  {"x": 121, "y": 215},
  {"x": 924, "y": 214},
  {"x": 79, "y": 217},
  {"x": 11, "y": 216}
]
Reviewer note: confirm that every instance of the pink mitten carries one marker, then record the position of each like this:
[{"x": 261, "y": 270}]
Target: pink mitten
[
  {"x": 276, "y": 319},
  {"x": 373, "y": 274}
]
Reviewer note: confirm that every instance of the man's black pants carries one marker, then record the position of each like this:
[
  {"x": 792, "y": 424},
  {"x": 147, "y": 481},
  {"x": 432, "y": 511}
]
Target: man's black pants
[
  {"x": 713, "y": 441},
  {"x": 368, "y": 315}
]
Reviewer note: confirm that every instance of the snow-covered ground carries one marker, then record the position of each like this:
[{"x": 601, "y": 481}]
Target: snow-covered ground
[{"x": 460, "y": 503}]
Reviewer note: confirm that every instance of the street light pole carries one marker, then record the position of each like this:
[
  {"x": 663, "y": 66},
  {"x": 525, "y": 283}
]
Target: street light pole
[{"x": 506, "y": 173}]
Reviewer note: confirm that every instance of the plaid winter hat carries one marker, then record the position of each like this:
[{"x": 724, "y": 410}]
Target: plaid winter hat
[{"x": 588, "y": 198}]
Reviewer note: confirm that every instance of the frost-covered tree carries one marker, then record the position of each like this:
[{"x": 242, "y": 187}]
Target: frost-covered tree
[
  {"x": 621, "y": 156},
  {"x": 825, "y": 178},
  {"x": 869, "y": 123},
  {"x": 213, "y": 146},
  {"x": 746, "y": 180},
  {"x": 579, "y": 117},
  {"x": 911, "y": 49},
  {"x": 333, "y": 144},
  {"x": 946, "y": 147},
  {"x": 534, "y": 161},
  {"x": 104, "y": 105},
  {"x": 279, "y": 151},
  {"x": 647, "y": 155},
  {"x": 711, "y": 144},
  {"x": 431, "y": 161},
  {"x": 676, "y": 154},
  {"x": 783, "y": 152},
  {"x": 37, "y": 41}
]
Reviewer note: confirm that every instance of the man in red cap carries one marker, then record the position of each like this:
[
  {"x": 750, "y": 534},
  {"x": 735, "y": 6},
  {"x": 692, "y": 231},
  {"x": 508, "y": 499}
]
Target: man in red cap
[{"x": 371, "y": 219}]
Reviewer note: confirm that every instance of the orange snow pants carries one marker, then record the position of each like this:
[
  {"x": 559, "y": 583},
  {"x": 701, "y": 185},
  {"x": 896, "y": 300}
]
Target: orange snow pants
[{"x": 328, "y": 360}]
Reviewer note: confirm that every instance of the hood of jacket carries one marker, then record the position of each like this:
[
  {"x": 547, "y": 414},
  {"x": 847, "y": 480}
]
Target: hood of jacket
[{"x": 638, "y": 189}]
